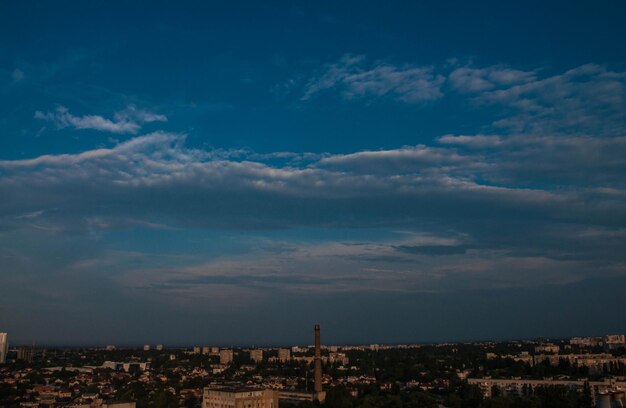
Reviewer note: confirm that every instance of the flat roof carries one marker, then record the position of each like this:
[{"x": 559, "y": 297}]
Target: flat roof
[{"x": 233, "y": 389}]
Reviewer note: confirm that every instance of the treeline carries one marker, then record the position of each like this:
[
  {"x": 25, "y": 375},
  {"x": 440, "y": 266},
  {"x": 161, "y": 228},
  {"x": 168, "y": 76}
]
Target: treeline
[{"x": 465, "y": 396}]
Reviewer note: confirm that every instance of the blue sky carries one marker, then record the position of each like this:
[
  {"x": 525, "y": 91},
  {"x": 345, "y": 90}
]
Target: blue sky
[{"x": 406, "y": 171}]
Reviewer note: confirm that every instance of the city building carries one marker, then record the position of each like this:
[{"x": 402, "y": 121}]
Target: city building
[
  {"x": 239, "y": 397},
  {"x": 205, "y": 350},
  {"x": 595, "y": 362},
  {"x": 614, "y": 338},
  {"x": 338, "y": 358},
  {"x": 226, "y": 356},
  {"x": 159, "y": 347},
  {"x": 295, "y": 397},
  {"x": 284, "y": 355},
  {"x": 197, "y": 350},
  {"x": 586, "y": 341},
  {"x": 146, "y": 347},
  {"x": 4, "y": 347},
  {"x": 614, "y": 341},
  {"x": 127, "y": 367},
  {"x": 547, "y": 348},
  {"x": 516, "y": 386},
  {"x": 256, "y": 355},
  {"x": 25, "y": 353}
]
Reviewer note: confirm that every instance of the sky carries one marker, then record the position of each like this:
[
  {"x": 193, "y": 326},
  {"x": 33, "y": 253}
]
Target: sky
[{"x": 232, "y": 173}]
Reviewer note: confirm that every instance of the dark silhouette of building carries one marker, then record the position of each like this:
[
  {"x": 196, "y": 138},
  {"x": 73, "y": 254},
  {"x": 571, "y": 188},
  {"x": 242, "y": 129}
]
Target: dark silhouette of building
[{"x": 25, "y": 353}]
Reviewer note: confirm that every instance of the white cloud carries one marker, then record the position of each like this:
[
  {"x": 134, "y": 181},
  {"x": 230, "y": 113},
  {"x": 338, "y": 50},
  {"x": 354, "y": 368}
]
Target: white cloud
[
  {"x": 472, "y": 141},
  {"x": 216, "y": 188},
  {"x": 126, "y": 121},
  {"x": 408, "y": 159},
  {"x": 470, "y": 79},
  {"x": 480, "y": 227}
]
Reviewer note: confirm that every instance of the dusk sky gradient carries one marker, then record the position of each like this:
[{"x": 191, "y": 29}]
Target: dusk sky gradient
[{"x": 234, "y": 172}]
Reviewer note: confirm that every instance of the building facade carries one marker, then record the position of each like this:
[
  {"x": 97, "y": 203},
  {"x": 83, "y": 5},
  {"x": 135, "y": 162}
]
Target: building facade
[
  {"x": 256, "y": 355},
  {"x": 4, "y": 347},
  {"x": 226, "y": 356},
  {"x": 25, "y": 353},
  {"x": 284, "y": 355},
  {"x": 230, "y": 397}
]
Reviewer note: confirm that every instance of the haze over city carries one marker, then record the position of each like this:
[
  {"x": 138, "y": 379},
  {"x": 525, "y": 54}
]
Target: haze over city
[{"x": 230, "y": 173}]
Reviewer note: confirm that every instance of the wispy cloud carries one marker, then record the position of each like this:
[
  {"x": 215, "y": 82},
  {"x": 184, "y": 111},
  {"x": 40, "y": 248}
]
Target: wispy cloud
[
  {"x": 355, "y": 78},
  {"x": 126, "y": 121},
  {"x": 587, "y": 99}
]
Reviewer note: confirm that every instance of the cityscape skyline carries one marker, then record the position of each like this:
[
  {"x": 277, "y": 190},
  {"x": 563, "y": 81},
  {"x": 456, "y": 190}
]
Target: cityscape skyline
[
  {"x": 580, "y": 372},
  {"x": 405, "y": 172}
]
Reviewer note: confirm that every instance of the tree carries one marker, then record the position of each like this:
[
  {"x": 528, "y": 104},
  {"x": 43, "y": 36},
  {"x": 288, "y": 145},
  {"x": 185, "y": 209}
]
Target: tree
[
  {"x": 471, "y": 396},
  {"x": 420, "y": 400},
  {"x": 338, "y": 397},
  {"x": 585, "y": 400},
  {"x": 164, "y": 399},
  {"x": 192, "y": 402}
]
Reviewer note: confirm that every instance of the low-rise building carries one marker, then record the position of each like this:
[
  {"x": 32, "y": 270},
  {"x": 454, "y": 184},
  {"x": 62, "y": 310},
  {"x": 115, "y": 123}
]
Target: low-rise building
[
  {"x": 547, "y": 348},
  {"x": 586, "y": 341}
]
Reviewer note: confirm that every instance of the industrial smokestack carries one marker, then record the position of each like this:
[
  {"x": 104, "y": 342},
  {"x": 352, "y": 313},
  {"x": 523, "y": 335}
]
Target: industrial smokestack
[{"x": 318, "y": 361}]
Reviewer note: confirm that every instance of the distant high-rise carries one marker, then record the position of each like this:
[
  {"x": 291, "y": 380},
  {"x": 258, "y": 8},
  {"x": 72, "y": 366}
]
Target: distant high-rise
[
  {"x": 284, "y": 355},
  {"x": 226, "y": 356},
  {"x": 146, "y": 347},
  {"x": 25, "y": 353},
  {"x": 256, "y": 355},
  {"x": 4, "y": 347}
]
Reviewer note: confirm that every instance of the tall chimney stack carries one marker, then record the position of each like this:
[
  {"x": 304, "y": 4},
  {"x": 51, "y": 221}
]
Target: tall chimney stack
[{"x": 318, "y": 361}]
